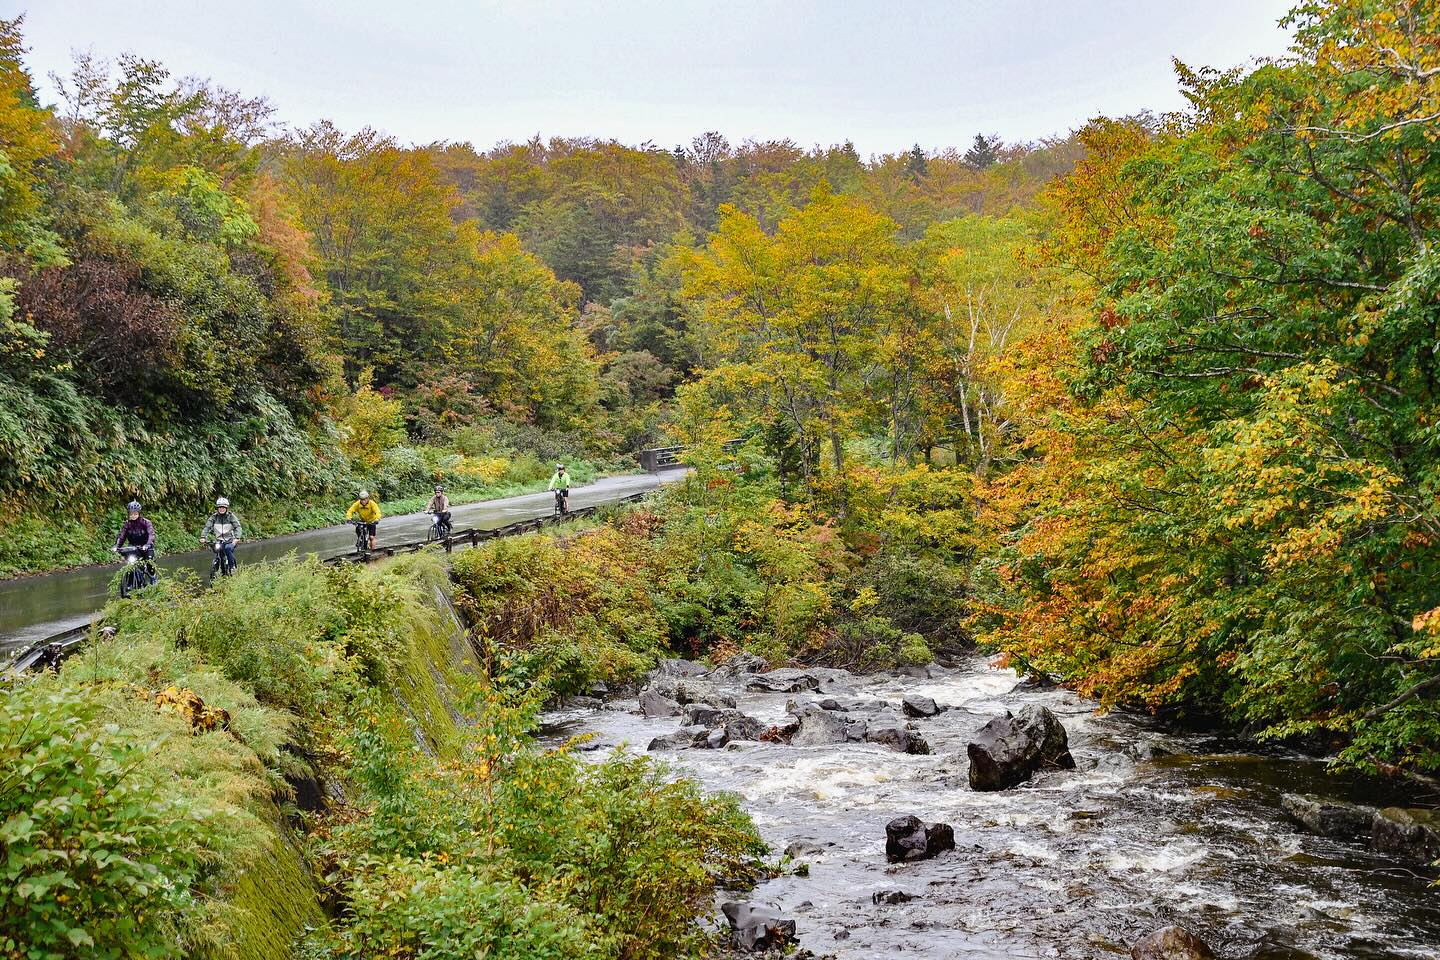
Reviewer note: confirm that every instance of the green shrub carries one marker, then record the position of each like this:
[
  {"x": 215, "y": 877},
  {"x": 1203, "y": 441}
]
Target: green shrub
[
  {"x": 524, "y": 852},
  {"x": 99, "y": 853},
  {"x": 425, "y": 910},
  {"x": 919, "y": 593},
  {"x": 563, "y": 613},
  {"x": 303, "y": 636}
]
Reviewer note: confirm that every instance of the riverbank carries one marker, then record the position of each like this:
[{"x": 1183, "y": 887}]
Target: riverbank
[
  {"x": 33, "y": 545},
  {"x": 1154, "y": 826}
]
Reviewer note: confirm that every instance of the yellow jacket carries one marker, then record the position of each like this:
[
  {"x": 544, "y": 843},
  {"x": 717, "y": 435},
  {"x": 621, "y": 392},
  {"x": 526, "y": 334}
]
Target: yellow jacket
[{"x": 369, "y": 512}]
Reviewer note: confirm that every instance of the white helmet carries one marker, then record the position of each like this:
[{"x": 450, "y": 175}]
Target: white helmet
[
  {"x": 364, "y": 494},
  {"x": 222, "y": 502}
]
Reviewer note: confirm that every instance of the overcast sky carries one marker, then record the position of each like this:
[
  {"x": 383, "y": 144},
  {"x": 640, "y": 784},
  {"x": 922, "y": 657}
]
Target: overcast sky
[{"x": 883, "y": 74}]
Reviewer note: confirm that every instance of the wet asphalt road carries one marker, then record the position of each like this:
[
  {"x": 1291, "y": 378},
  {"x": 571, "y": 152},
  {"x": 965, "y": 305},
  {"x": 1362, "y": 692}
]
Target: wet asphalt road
[{"x": 33, "y": 608}]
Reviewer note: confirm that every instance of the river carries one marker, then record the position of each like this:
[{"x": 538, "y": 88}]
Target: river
[
  {"x": 33, "y": 608},
  {"x": 1153, "y": 827}
]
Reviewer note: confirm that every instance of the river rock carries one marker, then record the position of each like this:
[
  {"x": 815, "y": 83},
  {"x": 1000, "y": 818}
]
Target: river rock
[
  {"x": 705, "y": 715},
  {"x": 918, "y": 705},
  {"x": 784, "y": 680},
  {"x": 740, "y": 665},
  {"x": 675, "y": 667},
  {"x": 1010, "y": 749},
  {"x": 653, "y": 703},
  {"x": 897, "y": 738},
  {"x": 685, "y": 690},
  {"x": 818, "y": 726},
  {"x": 744, "y": 728},
  {"x": 826, "y": 703},
  {"x": 803, "y": 848},
  {"x": 1171, "y": 943},
  {"x": 890, "y": 897},
  {"x": 681, "y": 739},
  {"x": 910, "y": 838},
  {"x": 584, "y": 703},
  {"x": 1407, "y": 831},
  {"x": 758, "y": 926},
  {"x": 1328, "y": 818}
]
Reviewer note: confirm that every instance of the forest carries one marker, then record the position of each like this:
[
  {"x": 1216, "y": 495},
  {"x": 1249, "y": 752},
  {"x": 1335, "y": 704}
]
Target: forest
[{"x": 1149, "y": 409}]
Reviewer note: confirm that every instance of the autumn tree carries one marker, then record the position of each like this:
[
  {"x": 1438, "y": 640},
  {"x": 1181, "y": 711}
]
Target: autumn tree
[
  {"x": 379, "y": 221},
  {"x": 796, "y": 316},
  {"x": 1251, "y": 474}
]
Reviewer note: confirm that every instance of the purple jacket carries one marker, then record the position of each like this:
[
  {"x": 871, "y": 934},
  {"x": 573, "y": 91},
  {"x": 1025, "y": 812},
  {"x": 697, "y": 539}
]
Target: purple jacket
[{"x": 138, "y": 533}]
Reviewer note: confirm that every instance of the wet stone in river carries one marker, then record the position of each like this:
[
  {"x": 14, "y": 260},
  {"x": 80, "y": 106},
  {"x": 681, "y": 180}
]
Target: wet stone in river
[
  {"x": 897, "y": 738},
  {"x": 1011, "y": 749},
  {"x": 910, "y": 838},
  {"x": 918, "y": 705},
  {"x": 653, "y": 703},
  {"x": 758, "y": 926},
  {"x": 1171, "y": 943},
  {"x": 784, "y": 680},
  {"x": 1408, "y": 832},
  {"x": 1330, "y": 818}
]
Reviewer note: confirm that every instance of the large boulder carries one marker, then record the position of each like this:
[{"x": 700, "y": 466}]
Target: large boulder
[
  {"x": 1329, "y": 818},
  {"x": 1010, "y": 749},
  {"x": 784, "y": 680},
  {"x": 820, "y": 726},
  {"x": 686, "y": 690},
  {"x": 918, "y": 705},
  {"x": 1407, "y": 831},
  {"x": 758, "y": 926},
  {"x": 744, "y": 728},
  {"x": 678, "y": 668},
  {"x": 653, "y": 703},
  {"x": 896, "y": 737},
  {"x": 910, "y": 838},
  {"x": 1171, "y": 943},
  {"x": 740, "y": 665}
]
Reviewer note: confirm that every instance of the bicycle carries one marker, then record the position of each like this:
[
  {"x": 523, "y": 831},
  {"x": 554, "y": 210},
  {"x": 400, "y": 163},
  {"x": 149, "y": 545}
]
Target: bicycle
[
  {"x": 223, "y": 564},
  {"x": 137, "y": 575},
  {"x": 362, "y": 537},
  {"x": 439, "y": 528},
  {"x": 562, "y": 504}
]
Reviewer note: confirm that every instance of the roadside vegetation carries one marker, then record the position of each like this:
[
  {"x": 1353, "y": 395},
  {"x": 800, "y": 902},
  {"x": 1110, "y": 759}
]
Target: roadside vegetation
[{"x": 314, "y": 755}]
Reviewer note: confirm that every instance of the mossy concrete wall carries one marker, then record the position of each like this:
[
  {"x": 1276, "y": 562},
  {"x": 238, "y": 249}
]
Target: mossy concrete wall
[{"x": 275, "y": 899}]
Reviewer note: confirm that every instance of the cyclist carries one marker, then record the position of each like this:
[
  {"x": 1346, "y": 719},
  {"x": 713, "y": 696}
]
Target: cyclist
[
  {"x": 367, "y": 511},
  {"x": 560, "y": 483},
  {"x": 440, "y": 506},
  {"x": 138, "y": 531},
  {"x": 224, "y": 527}
]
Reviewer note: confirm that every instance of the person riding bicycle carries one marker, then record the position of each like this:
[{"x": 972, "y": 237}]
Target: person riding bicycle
[
  {"x": 138, "y": 531},
  {"x": 367, "y": 511},
  {"x": 224, "y": 528},
  {"x": 440, "y": 506},
  {"x": 560, "y": 483}
]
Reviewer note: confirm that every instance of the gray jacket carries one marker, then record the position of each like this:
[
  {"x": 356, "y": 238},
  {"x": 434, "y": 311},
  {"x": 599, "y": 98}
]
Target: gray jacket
[{"x": 218, "y": 527}]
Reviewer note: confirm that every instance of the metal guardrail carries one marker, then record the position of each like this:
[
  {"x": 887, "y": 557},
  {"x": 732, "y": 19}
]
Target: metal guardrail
[
  {"x": 659, "y": 458},
  {"x": 53, "y": 650}
]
